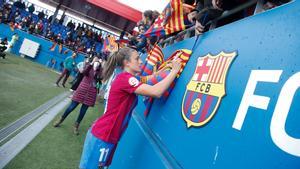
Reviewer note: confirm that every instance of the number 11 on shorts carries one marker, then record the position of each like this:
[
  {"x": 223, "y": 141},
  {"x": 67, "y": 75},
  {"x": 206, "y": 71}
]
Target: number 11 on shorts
[{"x": 103, "y": 154}]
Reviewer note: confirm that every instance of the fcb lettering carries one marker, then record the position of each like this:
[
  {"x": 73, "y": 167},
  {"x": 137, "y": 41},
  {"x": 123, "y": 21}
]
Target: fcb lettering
[{"x": 202, "y": 87}]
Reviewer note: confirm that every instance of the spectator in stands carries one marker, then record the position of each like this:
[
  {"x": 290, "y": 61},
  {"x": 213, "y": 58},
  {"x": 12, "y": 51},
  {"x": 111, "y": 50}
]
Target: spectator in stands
[
  {"x": 212, "y": 9},
  {"x": 50, "y": 34},
  {"x": 207, "y": 10},
  {"x": 155, "y": 15},
  {"x": 107, "y": 130},
  {"x": 85, "y": 94},
  {"x": 69, "y": 64},
  {"x": 81, "y": 38},
  {"x": 141, "y": 40},
  {"x": 31, "y": 9},
  {"x": 3, "y": 47},
  {"x": 72, "y": 46},
  {"x": 19, "y": 4},
  {"x": 6, "y": 14},
  {"x": 31, "y": 27},
  {"x": 28, "y": 21},
  {"x": 50, "y": 19},
  {"x": 57, "y": 41},
  {"x": 39, "y": 27},
  {"x": 41, "y": 15},
  {"x": 17, "y": 18},
  {"x": 188, "y": 9},
  {"x": 191, "y": 15},
  {"x": 23, "y": 23},
  {"x": 70, "y": 24},
  {"x": 269, "y": 4},
  {"x": 147, "y": 19}
]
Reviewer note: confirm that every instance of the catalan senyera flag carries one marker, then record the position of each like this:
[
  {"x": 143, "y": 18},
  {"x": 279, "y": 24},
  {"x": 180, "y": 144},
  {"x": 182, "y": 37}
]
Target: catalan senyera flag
[
  {"x": 169, "y": 21},
  {"x": 110, "y": 44},
  {"x": 164, "y": 70},
  {"x": 153, "y": 60}
]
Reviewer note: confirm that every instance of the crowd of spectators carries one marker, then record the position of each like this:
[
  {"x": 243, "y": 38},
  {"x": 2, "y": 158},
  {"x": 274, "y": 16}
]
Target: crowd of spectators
[
  {"x": 198, "y": 14},
  {"x": 136, "y": 38},
  {"x": 80, "y": 37},
  {"x": 208, "y": 10}
]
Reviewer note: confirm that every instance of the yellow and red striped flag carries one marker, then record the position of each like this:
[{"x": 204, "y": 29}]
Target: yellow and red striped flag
[
  {"x": 110, "y": 44},
  {"x": 169, "y": 21},
  {"x": 153, "y": 61},
  {"x": 184, "y": 56}
]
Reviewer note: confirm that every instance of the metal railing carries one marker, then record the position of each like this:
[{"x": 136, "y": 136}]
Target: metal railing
[{"x": 188, "y": 33}]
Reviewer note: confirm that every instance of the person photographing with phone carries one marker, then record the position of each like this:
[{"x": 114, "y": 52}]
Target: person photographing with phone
[{"x": 85, "y": 94}]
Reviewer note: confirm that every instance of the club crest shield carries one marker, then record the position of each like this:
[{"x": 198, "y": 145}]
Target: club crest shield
[{"x": 205, "y": 90}]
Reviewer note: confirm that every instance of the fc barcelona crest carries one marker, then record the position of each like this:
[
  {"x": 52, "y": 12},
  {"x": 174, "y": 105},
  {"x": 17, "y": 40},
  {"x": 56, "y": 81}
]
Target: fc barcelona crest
[{"x": 206, "y": 88}]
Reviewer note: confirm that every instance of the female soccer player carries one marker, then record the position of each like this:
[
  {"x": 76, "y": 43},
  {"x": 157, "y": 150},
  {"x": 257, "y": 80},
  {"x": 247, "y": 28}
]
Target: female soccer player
[{"x": 105, "y": 133}]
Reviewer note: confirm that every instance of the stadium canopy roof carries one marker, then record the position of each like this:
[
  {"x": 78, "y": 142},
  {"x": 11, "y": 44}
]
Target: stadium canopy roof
[
  {"x": 111, "y": 14},
  {"x": 118, "y": 8}
]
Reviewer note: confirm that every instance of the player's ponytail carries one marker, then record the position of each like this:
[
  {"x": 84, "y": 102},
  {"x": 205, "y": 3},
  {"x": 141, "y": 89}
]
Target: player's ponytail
[{"x": 116, "y": 60}]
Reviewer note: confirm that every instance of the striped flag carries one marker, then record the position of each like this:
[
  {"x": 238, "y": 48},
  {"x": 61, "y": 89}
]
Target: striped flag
[
  {"x": 169, "y": 21},
  {"x": 184, "y": 55},
  {"x": 154, "y": 59},
  {"x": 110, "y": 44}
]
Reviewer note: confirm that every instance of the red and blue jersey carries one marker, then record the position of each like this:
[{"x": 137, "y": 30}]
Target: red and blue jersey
[{"x": 121, "y": 101}]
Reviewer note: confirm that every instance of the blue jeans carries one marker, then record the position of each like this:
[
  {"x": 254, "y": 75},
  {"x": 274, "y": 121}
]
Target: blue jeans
[{"x": 72, "y": 106}]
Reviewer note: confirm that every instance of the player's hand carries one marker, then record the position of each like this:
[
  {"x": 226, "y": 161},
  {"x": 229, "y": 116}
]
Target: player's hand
[{"x": 176, "y": 65}]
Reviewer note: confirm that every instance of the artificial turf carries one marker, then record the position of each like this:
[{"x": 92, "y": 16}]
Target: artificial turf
[
  {"x": 57, "y": 148},
  {"x": 24, "y": 86}
]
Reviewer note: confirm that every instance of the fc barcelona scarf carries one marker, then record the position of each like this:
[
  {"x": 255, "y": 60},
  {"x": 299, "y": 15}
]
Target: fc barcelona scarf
[
  {"x": 153, "y": 61},
  {"x": 164, "y": 70}
]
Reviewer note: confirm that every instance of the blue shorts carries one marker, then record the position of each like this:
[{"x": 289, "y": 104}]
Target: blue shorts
[{"x": 95, "y": 152}]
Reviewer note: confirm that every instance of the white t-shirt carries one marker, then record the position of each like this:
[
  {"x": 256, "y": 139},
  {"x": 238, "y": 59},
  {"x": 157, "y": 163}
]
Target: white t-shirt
[{"x": 80, "y": 66}]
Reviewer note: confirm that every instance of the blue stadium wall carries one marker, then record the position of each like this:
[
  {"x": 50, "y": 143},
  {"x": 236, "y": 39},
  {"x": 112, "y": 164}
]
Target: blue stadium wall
[
  {"x": 268, "y": 59},
  {"x": 44, "y": 55}
]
